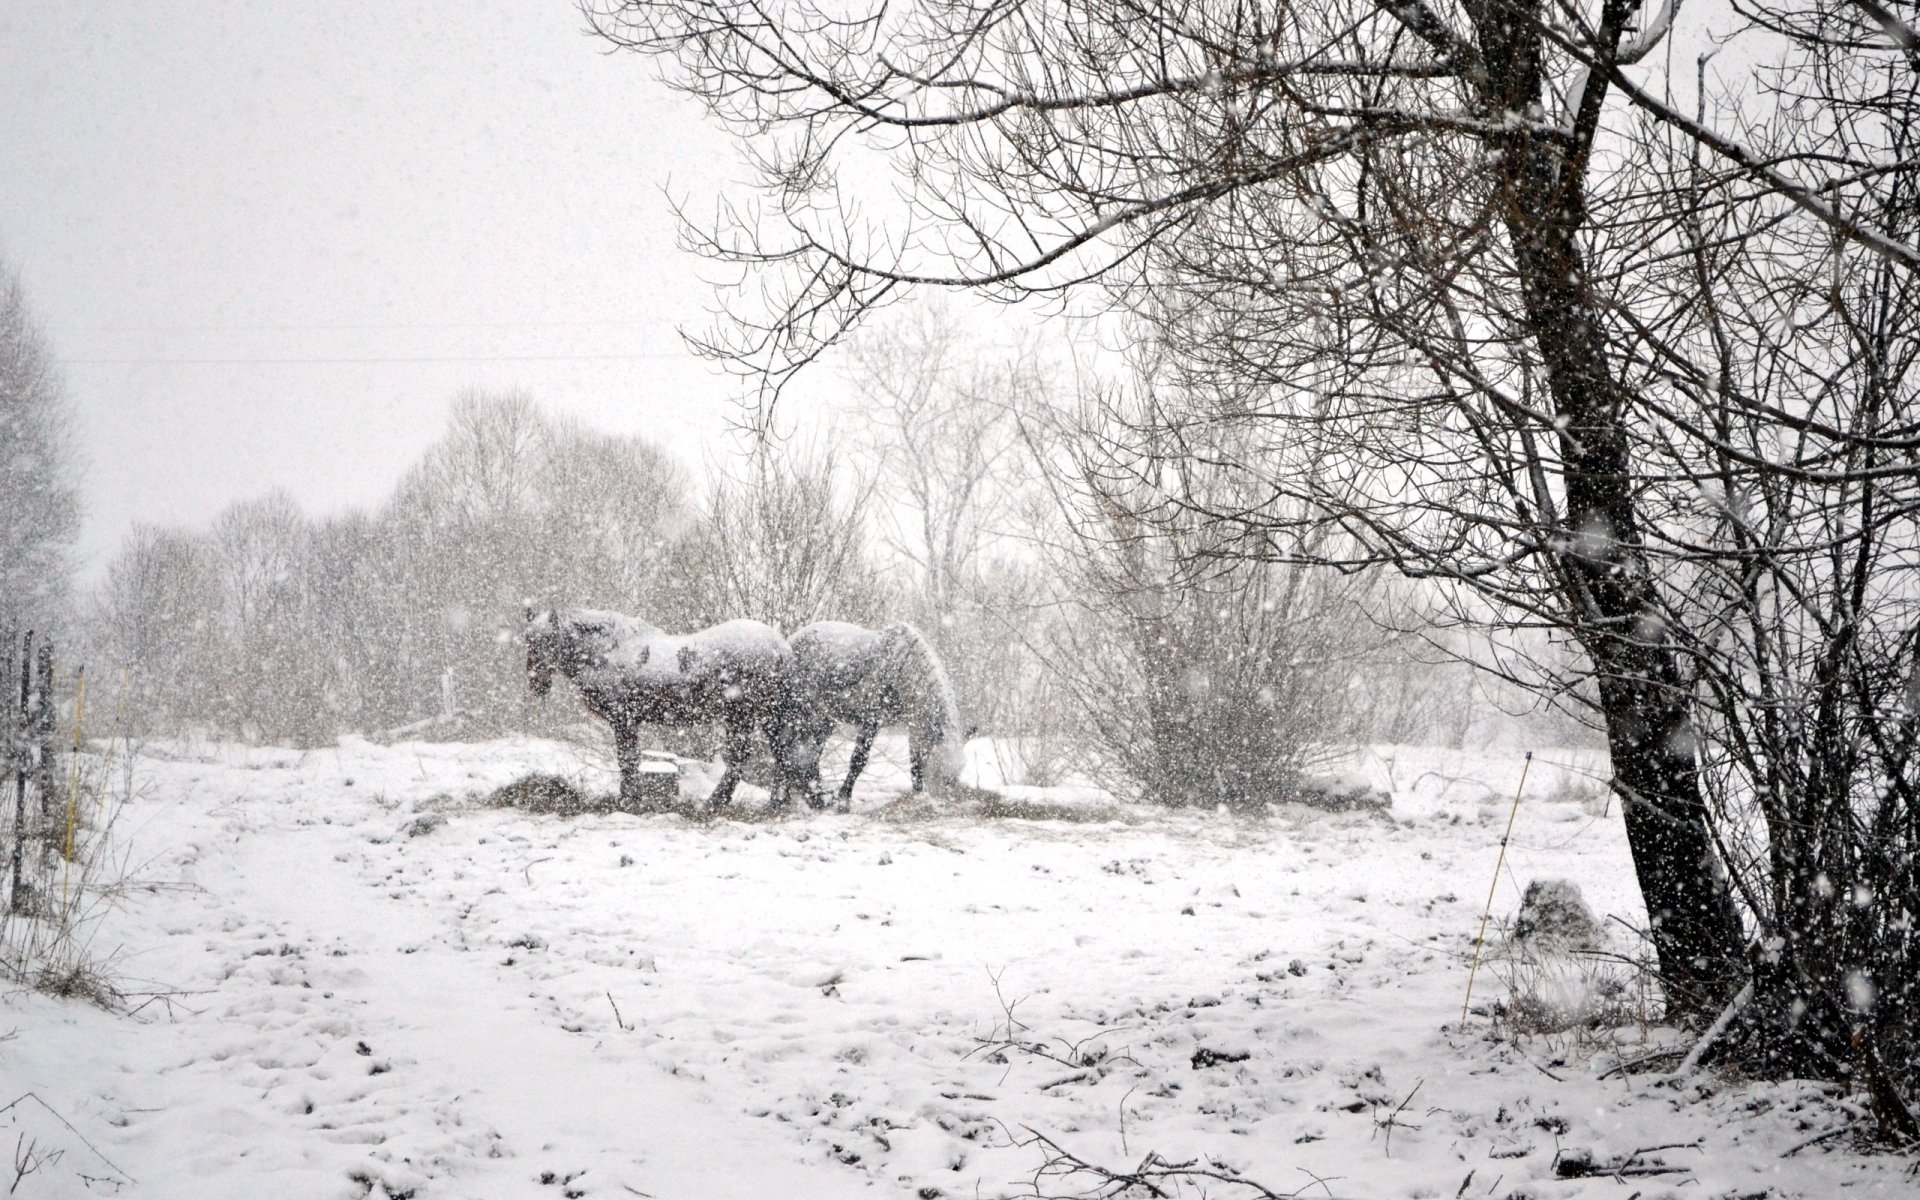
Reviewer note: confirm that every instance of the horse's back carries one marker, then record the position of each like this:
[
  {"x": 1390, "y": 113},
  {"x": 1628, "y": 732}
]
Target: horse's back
[
  {"x": 828, "y": 640},
  {"x": 832, "y": 669},
  {"x": 741, "y": 640}
]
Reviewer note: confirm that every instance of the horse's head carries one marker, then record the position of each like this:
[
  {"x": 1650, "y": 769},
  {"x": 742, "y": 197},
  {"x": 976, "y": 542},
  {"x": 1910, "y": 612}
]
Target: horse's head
[
  {"x": 543, "y": 651},
  {"x": 950, "y": 758},
  {"x": 939, "y": 748}
]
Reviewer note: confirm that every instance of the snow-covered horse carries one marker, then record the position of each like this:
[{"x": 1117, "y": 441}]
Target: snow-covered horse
[
  {"x": 630, "y": 673},
  {"x": 867, "y": 678}
]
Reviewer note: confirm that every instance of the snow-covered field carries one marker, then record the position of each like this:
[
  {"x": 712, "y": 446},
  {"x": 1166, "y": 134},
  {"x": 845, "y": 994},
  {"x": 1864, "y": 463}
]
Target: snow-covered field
[{"x": 336, "y": 997}]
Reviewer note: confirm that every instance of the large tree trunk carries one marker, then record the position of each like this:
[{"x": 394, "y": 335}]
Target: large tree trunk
[{"x": 1610, "y": 600}]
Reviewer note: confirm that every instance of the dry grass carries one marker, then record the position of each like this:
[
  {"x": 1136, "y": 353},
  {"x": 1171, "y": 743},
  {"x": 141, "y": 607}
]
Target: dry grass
[
  {"x": 82, "y": 980},
  {"x": 555, "y": 795},
  {"x": 984, "y": 804},
  {"x": 1580, "y": 1003},
  {"x": 73, "y": 872},
  {"x": 547, "y": 795},
  {"x": 993, "y": 806}
]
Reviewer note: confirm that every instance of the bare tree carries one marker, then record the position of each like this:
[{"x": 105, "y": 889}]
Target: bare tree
[
  {"x": 938, "y": 417},
  {"x": 268, "y": 689},
  {"x": 512, "y": 507},
  {"x": 155, "y": 619},
  {"x": 936, "y": 414},
  {"x": 39, "y": 487},
  {"x": 1783, "y": 469},
  {"x": 610, "y": 510},
  {"x": 1407, "y": 240},
  {"x": 783, "y": 543},
  {"x": 1202, "y": 685}
]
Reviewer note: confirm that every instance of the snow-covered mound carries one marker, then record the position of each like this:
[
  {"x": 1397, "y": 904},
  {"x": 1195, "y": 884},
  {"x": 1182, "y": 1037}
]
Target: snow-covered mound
[{"x": 336, "y": 997}]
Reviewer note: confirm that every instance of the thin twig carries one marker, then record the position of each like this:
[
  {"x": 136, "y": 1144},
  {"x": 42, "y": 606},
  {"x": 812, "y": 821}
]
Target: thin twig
[
  {"x": 25, "y": 1096},
  {"x": 1815, "y": 1140}
]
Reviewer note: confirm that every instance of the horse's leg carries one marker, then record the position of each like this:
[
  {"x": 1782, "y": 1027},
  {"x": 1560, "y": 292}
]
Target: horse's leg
[
  {"x": 739, "y": 747},
  {"x": 796, "y": 753},
  {"x": 863, "y": 742},
  {"x": 626, "y": 748},
  {"x": 807, "y": 765},
  {"x": 917, "y": 760},
  {"x": 816, "y": 791},
  {"x": 783, "y": 740},
  {"x": 778, "y": 742}
]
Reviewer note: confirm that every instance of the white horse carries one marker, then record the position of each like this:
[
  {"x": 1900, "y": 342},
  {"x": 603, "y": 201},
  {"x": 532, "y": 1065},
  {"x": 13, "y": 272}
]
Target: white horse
[
  {"x": 630, "y": 673},
  {"x": 867, "y": 678}
]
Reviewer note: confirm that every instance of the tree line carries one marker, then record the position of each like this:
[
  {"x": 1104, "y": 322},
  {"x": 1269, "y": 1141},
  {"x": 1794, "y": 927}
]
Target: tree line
[{"x": 277, "y": 626}]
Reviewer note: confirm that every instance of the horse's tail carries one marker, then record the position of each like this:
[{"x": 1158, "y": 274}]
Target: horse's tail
[{"x": 935, "y": 714}]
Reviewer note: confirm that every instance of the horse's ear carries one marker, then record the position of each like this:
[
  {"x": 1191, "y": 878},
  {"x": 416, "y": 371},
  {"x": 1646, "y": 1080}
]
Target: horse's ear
[{"x": 687, "y": 657}]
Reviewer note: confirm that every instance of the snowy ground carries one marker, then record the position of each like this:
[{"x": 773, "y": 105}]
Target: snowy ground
[{"x": 357, "y": 1001}]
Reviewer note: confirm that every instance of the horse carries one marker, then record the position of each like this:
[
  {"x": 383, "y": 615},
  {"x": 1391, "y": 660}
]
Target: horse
[
  {"x": 867, "y": 678},
  {"x": 631, "y": 673}
]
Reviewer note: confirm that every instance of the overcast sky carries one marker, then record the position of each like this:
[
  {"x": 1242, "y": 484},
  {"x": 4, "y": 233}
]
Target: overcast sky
[{"x": 272, "y": 241}]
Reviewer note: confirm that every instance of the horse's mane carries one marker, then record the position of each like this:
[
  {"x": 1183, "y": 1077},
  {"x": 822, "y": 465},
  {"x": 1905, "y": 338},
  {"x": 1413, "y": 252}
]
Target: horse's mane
[
  {"x": 602, "y": 621},
  {"x": 934, "y": 707}
]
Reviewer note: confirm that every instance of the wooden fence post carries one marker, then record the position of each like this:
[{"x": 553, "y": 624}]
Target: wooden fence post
[
  {"x": 41, "y": 735},
  {"x": 17, "y": 760}
]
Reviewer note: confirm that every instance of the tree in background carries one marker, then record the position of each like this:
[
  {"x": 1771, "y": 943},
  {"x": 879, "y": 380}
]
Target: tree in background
[
  {"x": 39, "y": 485},
  {"x": 272, "y": 625},
  {"x": 783, "y": 541},
  {"x": 156, "y": 616},
  {"x": 512, "y": 507},
  {"x": 938, "y": 420},
  {"x": 259, "y": 556}
]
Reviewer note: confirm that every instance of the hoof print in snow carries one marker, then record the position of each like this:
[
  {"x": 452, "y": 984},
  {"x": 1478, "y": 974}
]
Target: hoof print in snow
[
  {"x": 1204, "y": 1057},
  {"x": 362, "y": 1049},
  {"x": 528, "y": 941},
  {"x": 425, "y": 823}
]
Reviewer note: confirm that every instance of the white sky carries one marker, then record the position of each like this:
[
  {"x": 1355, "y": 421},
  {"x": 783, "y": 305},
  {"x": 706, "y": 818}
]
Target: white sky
[
  {"x": 272, "y": 241},
  {"x": 472, "y": 189}
]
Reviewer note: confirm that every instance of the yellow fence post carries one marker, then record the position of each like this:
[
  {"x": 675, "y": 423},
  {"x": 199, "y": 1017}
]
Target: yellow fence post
[{"x": 1499, "y": 863}]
